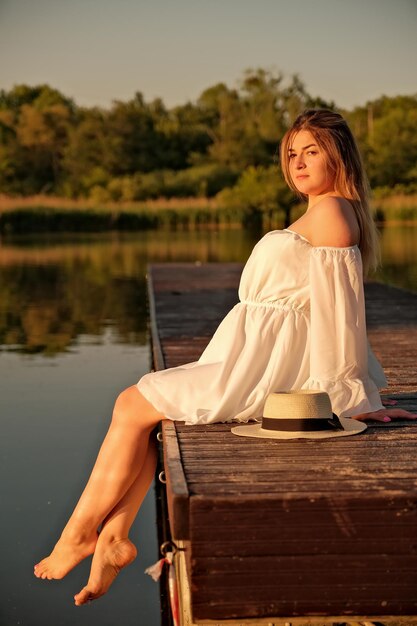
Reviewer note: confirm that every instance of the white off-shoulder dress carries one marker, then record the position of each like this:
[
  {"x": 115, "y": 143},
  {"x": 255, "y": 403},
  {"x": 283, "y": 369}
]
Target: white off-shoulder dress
[{"x": 299, "y": 324}]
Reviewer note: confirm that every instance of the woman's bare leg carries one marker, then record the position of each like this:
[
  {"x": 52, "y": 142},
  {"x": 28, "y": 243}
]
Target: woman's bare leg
[
  {"x": 114, "y": 550},
  {"x": 118, "y": 464}
]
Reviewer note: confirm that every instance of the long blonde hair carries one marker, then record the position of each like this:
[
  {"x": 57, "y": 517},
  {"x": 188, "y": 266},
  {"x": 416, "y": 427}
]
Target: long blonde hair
[{"x": 334, "y": 136}]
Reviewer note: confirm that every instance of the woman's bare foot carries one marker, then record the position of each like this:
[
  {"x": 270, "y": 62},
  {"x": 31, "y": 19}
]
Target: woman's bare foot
[
  {"x": 65, "y": 556},
  {"x": 109, "y": 558}
]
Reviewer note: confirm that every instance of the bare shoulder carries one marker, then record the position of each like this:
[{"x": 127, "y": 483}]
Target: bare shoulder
[{"x": 332, "y": 222}]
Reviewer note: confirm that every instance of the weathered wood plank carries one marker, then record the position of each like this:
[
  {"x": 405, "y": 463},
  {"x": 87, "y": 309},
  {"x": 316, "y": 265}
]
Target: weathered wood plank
[
  {"x": 316, "y": 555},
  {"x": 183, "y": 569},
  {"x": 177, "y": 488},
  {"x": 157, "y": 355}
]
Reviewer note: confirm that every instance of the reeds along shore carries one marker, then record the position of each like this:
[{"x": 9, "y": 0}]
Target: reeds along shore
[
  {"x": 47, "y": 214},
  {"x": 51, "y": 214}
]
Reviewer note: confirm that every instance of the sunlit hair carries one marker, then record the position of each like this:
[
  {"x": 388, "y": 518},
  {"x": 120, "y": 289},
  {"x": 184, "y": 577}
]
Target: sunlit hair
[{"x": 335, "y": 138}]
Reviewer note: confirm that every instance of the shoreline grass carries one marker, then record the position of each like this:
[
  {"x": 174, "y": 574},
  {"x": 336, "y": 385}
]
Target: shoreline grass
[
  {"x": 398, "y": 206},
  {"x": 8, "y": 203},
  {"x": 51, "y": 214},
  {"x": 41, "y": 213}
]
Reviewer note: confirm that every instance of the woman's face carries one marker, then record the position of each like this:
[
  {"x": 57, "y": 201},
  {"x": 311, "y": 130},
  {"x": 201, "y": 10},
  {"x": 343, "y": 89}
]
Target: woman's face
[{"x": 308, "y": 165}]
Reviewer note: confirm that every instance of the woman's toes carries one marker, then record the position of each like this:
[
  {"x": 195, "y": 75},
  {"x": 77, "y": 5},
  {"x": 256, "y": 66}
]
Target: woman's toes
[
  {"x": 83, "y": 597},
  {"x": 86, "y": 595},
  {"x": 39, "y": 569},
  {"x": 64, "y": 557}
]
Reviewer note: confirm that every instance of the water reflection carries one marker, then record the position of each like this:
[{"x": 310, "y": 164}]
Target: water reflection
[
  {"x": 399, "y": 256},
  {"x": 53, "y": 290}
]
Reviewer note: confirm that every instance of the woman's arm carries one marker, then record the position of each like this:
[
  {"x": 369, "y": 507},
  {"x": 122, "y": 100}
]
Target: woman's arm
[{"x": 332, "y": 223}]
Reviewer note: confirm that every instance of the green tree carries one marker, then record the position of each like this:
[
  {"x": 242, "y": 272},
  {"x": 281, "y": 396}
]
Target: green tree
[
  {"x": 185, "y": 137},
  {"x": 386, "y": 130},
  {"x": 131, "y": 137},
  {"x": 392, "y": 154},
  {"x": 86, "y": 154},
  {"x": 261, "y": 192},
  {"x": 12, "y": 162},
  {"x": 43, "y": 133},
  {"x": 35, "y": 123}
]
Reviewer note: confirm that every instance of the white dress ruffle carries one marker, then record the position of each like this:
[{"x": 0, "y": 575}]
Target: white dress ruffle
[{"x": 299, "y": 324}]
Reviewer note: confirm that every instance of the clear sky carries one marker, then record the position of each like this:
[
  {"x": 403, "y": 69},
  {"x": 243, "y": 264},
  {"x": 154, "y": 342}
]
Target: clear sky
[{"x": 96, "y": 51}]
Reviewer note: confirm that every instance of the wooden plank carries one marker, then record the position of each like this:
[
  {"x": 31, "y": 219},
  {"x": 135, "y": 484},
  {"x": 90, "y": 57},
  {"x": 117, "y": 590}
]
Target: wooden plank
[
  {"x": 215, "y": 462},
  {"x": 177, "y": 489},
  {"x": 157, "y": 354},
  {"x": 184, "y": 592},
  {"x": 298, "y": 557},
  {"x": 389, "y": 307},
  {"x": 183, "y": 582}
]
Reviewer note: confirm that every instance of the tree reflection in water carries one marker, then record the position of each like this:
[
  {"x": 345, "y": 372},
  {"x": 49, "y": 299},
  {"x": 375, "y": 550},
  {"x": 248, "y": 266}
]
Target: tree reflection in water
[{"x": 55, "y": 289}]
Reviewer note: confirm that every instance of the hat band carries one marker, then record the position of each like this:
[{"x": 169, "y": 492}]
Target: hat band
[{"x": 301, "y": 424}]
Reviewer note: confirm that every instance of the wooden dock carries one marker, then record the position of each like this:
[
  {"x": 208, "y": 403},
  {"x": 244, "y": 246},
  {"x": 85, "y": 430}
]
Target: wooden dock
[{"x": 289, "y": 532}]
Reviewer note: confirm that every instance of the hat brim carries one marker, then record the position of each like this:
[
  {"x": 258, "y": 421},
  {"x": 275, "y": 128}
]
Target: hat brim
[{"x": 350, "y": 427}]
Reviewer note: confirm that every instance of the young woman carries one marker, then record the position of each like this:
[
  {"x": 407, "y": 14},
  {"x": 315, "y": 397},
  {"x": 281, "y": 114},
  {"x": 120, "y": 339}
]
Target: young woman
[{"x": 299, "y": 324}]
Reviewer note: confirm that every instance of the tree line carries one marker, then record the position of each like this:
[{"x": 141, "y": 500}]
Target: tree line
[{"x": 223, "y": 145}]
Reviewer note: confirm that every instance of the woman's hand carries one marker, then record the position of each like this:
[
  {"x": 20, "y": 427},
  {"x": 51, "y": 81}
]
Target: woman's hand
[{"x": 386, "y": 415}]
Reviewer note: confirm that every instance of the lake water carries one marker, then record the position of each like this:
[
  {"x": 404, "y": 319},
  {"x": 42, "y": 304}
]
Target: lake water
[{"x": 73, "y": 333}]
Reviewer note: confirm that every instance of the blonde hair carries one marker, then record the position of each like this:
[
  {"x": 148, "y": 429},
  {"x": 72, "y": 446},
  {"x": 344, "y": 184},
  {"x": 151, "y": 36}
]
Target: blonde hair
[{"x": 334, "y": 136}]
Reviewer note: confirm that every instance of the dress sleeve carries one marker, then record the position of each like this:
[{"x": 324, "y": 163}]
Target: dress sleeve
[{"x": 338, "y": 341}]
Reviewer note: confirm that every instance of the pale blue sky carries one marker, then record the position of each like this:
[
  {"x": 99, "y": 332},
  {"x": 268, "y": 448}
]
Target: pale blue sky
[{"x": 96, "y": 51}]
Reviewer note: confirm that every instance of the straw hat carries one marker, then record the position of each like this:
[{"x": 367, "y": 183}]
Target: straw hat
[{"x": 300, "y": 414}]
